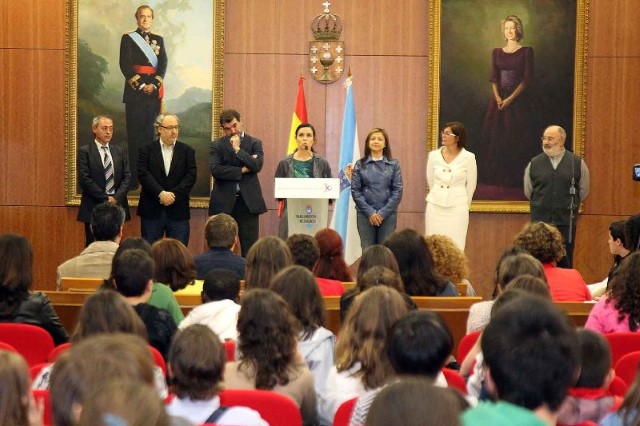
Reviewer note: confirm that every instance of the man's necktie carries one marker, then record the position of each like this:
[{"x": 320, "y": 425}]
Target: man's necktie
[{"x": 108, "y": 171}]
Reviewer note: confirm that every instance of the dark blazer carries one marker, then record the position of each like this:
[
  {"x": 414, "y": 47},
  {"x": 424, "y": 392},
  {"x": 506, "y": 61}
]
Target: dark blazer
[
  {"x": 154, "y": 180},
  {"x": 92, "y": 180},
  {"x": 226, "y": 168}
]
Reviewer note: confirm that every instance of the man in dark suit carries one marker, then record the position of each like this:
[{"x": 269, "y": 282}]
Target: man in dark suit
[
  {"x": 103, "y": 174},
  {"x": 234, "y": 162},
  {"x": 167, "y": 173},
  {"x": 143, "y": 62}
]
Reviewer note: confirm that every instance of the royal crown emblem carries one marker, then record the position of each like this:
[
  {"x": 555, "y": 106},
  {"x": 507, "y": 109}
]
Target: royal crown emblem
[{"x": 326, "y": 53}]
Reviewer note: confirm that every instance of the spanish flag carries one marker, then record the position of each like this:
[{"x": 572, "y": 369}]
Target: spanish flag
[{"x": 299, "y": 116}]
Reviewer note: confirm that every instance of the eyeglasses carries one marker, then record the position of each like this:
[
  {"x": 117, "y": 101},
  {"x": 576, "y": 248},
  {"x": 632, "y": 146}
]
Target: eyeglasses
[
  {"x": 171, "y": 127},
  {"x": 447, "y": 134}
]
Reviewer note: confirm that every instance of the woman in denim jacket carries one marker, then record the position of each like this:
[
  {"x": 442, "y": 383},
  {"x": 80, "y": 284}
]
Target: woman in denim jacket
[{"x": 376, "y": 187}]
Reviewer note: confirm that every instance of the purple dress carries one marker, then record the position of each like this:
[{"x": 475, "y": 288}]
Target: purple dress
[{"x": 509, "y": 137}]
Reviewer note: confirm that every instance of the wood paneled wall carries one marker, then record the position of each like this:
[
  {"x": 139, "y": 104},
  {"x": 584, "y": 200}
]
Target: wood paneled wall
[{"x": 265, "y": 52}]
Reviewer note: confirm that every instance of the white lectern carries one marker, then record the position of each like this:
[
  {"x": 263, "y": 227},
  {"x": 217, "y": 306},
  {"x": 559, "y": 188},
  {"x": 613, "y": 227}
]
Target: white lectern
[{"x": 307, "y": 202}]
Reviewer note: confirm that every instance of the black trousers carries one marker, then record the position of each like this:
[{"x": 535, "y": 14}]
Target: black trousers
[
  {"x": 567, "y": 261},
  {"x": 248, "y": 225},
  {"x": 88, "y": 235},
  {"x": 140, "y": 117}
]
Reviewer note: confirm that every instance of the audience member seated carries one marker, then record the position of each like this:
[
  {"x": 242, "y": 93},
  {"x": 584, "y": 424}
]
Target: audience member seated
[
  {"x": 416, "y": 265},
  {"x": 123, "y": 402},
  {"x": 298, "y": 288},
  {"x": 418, "y": 346},
  {"x": 105, "y": 312},
  {"x": 92, "y": 363},
  {"x": 196, "y": 361},
  {"x": 161, "y": 295},
  {"x": 619, "y": 250},
  {"x": 544, "y": 242},
  {"x": 305, "y": 252},
  {"x": 416, "y": 402},
  {"x": 219, "y": 309},
  {"x": 375, "y": 255},
  {"x": 95, "y": 260},
  {"x": 629, "y": 412},
  {"x": 361, "y": 362},
  {"x": 619, "y": 309},
  {"x": 17, "y": 302},
  {"x": 589, "y": 400},
  {"x": 331, "y": 264},
  {"x": 268, "y": 355},
  {"x": 513, "y": 263},
  {"x": 632, "y": 232},
  {"x": 173, "y": 265},
  {"x": 267, "y": 257},
  {"x": 221, "y": 233},
  {"x": 17, "y": 406},
  {"x": 378, "y": 275},
  {"x": 132, "y": 277},
  {"x": 449, "y": 261},
  {"x": 531, "y": 357}
]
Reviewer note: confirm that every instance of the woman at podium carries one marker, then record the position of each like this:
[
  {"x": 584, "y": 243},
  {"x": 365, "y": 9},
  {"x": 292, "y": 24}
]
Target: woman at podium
[{"x": 303, "y": 163}]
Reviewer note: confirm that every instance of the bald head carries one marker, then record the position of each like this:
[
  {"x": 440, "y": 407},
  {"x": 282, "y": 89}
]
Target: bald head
[{"x": 553, "y": 140}]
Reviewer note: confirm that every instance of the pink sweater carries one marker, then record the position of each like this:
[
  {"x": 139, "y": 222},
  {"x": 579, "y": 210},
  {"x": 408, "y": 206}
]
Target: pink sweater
[{"x": 604, "y": 318}]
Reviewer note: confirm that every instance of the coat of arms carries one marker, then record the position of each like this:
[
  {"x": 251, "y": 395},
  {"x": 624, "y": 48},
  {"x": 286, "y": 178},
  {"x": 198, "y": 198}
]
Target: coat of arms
[{"x": 326, "y": 53}]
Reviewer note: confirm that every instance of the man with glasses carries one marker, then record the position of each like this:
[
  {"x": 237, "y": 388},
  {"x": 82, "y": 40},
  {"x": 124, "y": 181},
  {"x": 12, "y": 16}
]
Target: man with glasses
[
  {"x": 167, "y": 173},
  {"x": 234, "y": 162},
  {"x": 556, "y": 182}
]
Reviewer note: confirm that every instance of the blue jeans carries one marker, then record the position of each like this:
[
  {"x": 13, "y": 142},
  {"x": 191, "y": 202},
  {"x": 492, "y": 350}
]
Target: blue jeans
[
  {"x": 370, "y": 235},
  {"x": 154, "y": 229}
]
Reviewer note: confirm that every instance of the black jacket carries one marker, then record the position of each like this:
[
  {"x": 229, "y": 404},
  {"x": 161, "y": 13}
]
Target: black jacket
[{"x": 37, "y": 310}]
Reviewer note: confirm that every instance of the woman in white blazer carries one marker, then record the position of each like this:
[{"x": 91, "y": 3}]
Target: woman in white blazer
[{"x": 452, "y": 174}]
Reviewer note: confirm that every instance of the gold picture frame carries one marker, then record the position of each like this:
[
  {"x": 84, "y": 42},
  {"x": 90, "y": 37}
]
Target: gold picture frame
[
  {"x": 462, "y": 34},
  {"x": 85, "y": 17}
]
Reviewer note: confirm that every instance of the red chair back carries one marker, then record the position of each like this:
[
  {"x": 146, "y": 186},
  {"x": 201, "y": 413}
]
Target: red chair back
[
  {"x": 618, "y": 387},
  {"x": 230, "y": 347},
  {"x": 455, "y": 380},
  {"x": 274, "y": 408},
  {"x": 159, "y": 360},
  {"x": 45, "y": 397},
  {"x": 34, "y": 370},
  {"x": 621, "y": 343},
  {"x": 343, "y": 415},
  {"x": 627, "y": 367},
  {"x": 7, "y": 347},
  {"x": 465, "y": 345},
  {"x": 55, "y": 353},
  {"x": 32, "y": 342}
]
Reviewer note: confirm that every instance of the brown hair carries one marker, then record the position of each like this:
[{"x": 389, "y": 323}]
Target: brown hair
[
  {"x": 265, "y": 259},
  {"x": 14, "y": 389},
  {"x": 448, "y": 260},
  {"x": 532, "y": 285},
  {"x": 221, "y": 231},
  {"x": 376, "y": 255},
  {"x": 16, "y": 263},
  {"x": 197, "y": 359},
  {"x": 543, "y": 241},
  {"x": 364, "y": 333},
  {"x": 267, "y": 338},
  {"x": 174, "y": 263},
  {"x": 331, "y": 264},
  {"x": 379, "y": 275}
]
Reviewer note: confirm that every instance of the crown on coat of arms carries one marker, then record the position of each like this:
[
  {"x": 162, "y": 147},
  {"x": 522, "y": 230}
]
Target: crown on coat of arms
[{"x": 326, "y": 26}]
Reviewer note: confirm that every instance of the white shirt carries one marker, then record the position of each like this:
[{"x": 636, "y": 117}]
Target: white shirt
[
  {"x": 199, "y": 411},
  {"x": 167, "y": 155}
]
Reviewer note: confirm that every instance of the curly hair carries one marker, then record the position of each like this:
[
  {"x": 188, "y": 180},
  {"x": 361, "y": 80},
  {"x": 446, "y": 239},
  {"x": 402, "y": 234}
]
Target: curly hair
[
  {"x": 267, "y": 338},
  {"x": 331, "y": 264},
  {"x": 364, "y": 334},
  {"x": 298, "y": 287},
  {"x": 448, "y": 260},
  {"x": 304, "y": 250},
  {"x": 625, "y": 290},
  {"x": 416, "y": 264},
  {"x": 174, "y": 263},
  {"x": 265, "y": 259},
  {"x": 542, "y": 241}
]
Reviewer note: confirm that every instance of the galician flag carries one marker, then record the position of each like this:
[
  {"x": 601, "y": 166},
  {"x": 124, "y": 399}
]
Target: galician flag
[
  {"x": 344, "y": 215},
  {"x": 299, "y": 116}
]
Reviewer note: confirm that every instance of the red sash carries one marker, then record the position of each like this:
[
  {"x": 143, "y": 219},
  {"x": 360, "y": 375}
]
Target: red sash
[{"x": 148, "y": 70}]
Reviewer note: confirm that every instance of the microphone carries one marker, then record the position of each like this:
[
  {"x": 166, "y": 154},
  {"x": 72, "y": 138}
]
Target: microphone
[{"x": 306, "y": 148}]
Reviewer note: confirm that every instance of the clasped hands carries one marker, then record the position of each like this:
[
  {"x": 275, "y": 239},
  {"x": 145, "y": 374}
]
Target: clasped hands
[
  {"x": 504, "y": 103},
  {"x": 376, "y": 219},
  {"x": 167, "y": 198},
  {"x": 235, "y": 144}
]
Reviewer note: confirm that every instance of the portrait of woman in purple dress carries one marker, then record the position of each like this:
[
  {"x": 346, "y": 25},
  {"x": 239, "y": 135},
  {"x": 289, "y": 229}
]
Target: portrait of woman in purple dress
[{"x": 509, "y": 132}]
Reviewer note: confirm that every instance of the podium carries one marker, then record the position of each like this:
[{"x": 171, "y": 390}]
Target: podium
[{"x": 307, "y": 202}]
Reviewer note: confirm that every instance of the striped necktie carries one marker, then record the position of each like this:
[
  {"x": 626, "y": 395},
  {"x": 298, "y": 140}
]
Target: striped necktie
[{"x": 108, "y": 171}]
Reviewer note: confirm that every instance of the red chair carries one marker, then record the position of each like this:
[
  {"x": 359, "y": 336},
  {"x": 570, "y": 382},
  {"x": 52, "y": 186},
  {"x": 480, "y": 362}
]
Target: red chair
[
  {"x": 33, "y": 343},
  {"x": 618, "y": 387},
  {"x": 465, "y": 345},
  {"x": 55, "y": 353},
  {"x": 621, "y": 343},
  {"x": 7, "y": 347},
  {"x": 44, "y": 397},
  {"x": 343, "y": 415},
  {"x": 455, "y": 380},
  {"x": 159, "y": 360},
  {"x": 274, "y": 408},
  {"x": 230, "y": 347},
  {"x": 36, "y": 369},
  {"x": 627, "y": 367}
]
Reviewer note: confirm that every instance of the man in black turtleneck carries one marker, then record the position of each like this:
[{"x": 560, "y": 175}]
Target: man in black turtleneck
[{"x": 143, "y": 62}]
